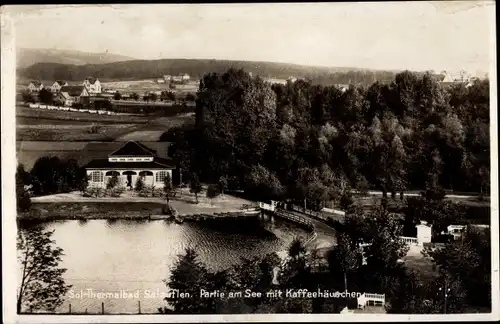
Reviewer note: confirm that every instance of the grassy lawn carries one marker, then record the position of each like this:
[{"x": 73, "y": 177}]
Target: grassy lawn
[
  {"x": 92, "y": 210},
  {"x": 74, "y": 206},
  {"x": 477, "y": 211}
]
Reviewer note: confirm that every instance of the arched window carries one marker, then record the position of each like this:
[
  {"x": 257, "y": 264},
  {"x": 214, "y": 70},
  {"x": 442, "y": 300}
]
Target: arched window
[
  {"x": 160, "y": 176},
  {"x": 96, "y": 176}
]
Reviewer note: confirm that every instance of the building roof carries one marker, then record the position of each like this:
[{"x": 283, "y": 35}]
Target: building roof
[
  {"x": 157, "y": 163},
  {"x": 36, "y": 83},
  {"x": 91, "y": 80},
  {"x": 61, "y": 82},
  {"x": 73, "y": 91},
  {"x": 133, "y": 148},
  {"x": 65, "y": 95}
]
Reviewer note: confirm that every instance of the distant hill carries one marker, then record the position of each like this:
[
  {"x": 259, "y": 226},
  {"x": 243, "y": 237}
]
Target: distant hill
[
  {"x": 29, "y": 56},
  {"x": 145, "y": 69}
]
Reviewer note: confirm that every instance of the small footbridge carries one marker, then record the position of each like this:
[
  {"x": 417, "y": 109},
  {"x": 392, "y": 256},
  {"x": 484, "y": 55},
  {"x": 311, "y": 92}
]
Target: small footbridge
[{"x": 273, "y": 209}]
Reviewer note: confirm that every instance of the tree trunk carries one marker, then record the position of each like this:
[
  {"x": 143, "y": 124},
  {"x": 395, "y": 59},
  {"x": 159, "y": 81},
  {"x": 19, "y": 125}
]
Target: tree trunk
[
  {"x": 305, "y": 204},
  {"x": 196, "y": 197},
  {"x": 19, "y": 302},
  {"x": 345, "y": 280}
]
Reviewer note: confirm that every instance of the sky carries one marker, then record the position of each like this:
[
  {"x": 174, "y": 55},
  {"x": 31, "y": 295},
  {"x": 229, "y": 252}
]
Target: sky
[{"x": 382, "y": 35}]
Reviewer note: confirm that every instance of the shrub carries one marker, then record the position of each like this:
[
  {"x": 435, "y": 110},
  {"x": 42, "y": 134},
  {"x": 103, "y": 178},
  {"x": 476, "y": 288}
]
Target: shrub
[
  {"x": 157, "y": 192},
  {"x": 117, "y": 191},
  {"x": 94, "y": 129},
  {"x": 94, "y": 192},
  {"x": 213, "y": 191},
  {"x": 139, "y": 184},
  {"x": 99, "y": 192},
  {"x": 222, "y": 184},
  {"x": 346, "y": 201},
  {"x": 169, "y": 210},
  {"x": 146, "y": 191},
  {"x": 443, "y": 238},
  {"x": 434, "y": 194},
  {"x": 112, "y": 182}
]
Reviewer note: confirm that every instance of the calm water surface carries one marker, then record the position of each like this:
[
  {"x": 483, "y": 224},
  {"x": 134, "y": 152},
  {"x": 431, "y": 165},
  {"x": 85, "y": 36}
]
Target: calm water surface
[{"x": 105, "y": 256}]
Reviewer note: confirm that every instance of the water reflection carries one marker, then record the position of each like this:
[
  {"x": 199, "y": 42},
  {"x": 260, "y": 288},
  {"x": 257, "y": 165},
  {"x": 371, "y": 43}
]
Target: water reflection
[{"x": 128, "y": 255}]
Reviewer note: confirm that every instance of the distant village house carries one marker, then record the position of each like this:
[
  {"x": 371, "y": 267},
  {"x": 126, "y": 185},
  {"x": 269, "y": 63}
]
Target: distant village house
[
  {"x": 35, "y": 86},
  {"x": 56, "y": 87},
  {"x": 456, "y": 78},
  {"x": 69, "y": 95},
  {"x": 177, "y": 78},
  {"x": 92, "y": 85}
]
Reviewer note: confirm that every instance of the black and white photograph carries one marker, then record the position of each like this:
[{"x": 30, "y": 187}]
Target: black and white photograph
[{"x": 244, "y": 162}]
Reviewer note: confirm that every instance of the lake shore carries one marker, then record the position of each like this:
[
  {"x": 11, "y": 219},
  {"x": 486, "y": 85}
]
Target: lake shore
[{"x": 129, "y": 206}]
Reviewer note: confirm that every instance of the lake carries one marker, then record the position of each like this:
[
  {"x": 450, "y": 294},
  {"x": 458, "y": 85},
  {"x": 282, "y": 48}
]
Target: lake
[{"x": 129, "y": 259}]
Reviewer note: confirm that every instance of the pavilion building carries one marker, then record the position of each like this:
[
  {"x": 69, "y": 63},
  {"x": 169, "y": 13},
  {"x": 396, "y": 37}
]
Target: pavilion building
[{"x": 130, "y": 161}]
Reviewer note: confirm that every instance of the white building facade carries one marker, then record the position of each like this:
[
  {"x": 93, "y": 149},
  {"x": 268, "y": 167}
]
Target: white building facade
[
  {"x": 128, "y": 163},
  {"x": 92, "y": 85},
  {"x": 56, "y": 87}
]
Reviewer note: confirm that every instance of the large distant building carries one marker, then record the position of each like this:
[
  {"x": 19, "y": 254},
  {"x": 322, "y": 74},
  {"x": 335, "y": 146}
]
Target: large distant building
[
  {"x": 92, "y": 85},
  {"x": 177, "y": 78},
  {"x": 456, "y": 78}
]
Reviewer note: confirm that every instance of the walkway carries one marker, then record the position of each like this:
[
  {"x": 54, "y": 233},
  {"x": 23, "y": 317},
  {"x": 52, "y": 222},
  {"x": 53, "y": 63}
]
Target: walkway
[
  {"x": 417, "y": 194},
  {"x": 326, "y": 235}
]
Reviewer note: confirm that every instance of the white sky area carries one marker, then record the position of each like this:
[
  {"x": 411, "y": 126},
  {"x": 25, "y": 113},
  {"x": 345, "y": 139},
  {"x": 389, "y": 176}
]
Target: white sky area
[{"x": 397, "y": 35}]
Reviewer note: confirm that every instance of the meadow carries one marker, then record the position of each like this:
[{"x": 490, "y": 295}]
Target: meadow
[{"x": 46, "y": 125}]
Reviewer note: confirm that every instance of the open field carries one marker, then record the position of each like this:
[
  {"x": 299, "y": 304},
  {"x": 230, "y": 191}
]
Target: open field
[
  {"x": 72, "y": 132},
  {"x": 141, "y": 86},
  {"x": 48, "y": 125},
  {"x": 26, "y": 112}
]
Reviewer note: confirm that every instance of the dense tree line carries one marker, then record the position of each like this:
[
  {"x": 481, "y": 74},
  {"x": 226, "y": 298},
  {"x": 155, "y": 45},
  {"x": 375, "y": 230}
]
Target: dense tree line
[
  {"x": 50, "y": 175},
  {"x": 140, "y": 69},
  {"x": 309, "y": 141},
  {"x": 463, "y": 273}
]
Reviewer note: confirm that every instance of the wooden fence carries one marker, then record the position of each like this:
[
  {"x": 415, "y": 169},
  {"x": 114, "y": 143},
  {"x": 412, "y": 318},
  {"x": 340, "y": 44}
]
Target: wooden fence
[{"x": 102, "y": 311}]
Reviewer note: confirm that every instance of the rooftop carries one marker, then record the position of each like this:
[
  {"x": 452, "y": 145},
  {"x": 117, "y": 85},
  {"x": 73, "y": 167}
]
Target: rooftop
[
  {"x": 91, "y": 80},
  {"x": 157, "y": 163},
  {"x": 73, "y": 91},
  {"x": 133, "y": 148}
]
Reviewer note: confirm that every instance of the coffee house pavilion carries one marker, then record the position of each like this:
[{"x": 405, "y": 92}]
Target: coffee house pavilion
[{"x": 130, "y": 161}]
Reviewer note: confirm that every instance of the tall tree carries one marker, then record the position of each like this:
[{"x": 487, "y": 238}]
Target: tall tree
[
  {"x": 189, "y": 276},
  {"x": 42, "y": 286},
  {"x": 168, "y": 187},
  {"x": 347, "y": 255},
  {"x": 23, "y": 200},
  {"x": 222, "y": 183},
  {"x": 195, "y": 186},
  {"x": 46, "y": 97}
]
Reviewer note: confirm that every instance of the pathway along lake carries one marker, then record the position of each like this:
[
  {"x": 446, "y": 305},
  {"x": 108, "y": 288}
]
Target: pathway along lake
[{"x": 114, "y": 256}]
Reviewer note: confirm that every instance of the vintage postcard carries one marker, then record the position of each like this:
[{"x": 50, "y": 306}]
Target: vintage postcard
[{"x": 249, "y": 162}]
